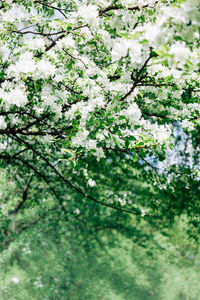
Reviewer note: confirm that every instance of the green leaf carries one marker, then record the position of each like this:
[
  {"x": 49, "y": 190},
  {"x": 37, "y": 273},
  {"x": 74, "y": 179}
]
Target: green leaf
[{"x": 135, "y": 157}]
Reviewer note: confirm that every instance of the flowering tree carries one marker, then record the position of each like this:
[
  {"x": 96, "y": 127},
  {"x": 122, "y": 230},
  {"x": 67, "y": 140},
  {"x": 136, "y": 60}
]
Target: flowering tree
[
  {"x": 89, "y": 91},
  {"x": 83, "y": 81}
]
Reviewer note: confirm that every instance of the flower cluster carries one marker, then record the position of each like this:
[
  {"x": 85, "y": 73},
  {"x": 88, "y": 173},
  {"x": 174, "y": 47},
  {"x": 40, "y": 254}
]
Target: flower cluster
[{"x": 99, "y": 75}]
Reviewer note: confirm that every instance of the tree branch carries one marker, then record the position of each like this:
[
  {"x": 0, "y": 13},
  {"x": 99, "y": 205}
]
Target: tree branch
[
  {"x": 24, "y": 197},
  {"x": 73, "y": 187},
  {"x": 116, "y": 7}
]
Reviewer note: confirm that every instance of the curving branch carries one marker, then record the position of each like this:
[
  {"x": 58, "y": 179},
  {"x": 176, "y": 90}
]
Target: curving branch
[{"x": 73, "y": 187}]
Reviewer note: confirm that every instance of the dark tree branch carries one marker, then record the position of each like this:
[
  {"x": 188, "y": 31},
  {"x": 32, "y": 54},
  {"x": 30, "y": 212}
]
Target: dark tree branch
[
  {"x": 24, "y": 197},
  {"x": 137, "y": 78},
  {"x": 37, "y": 33},
  {"x": 40, "y": 175},
  {"x": 116, "y": 7},
  {"x": 61, "y": 10}
]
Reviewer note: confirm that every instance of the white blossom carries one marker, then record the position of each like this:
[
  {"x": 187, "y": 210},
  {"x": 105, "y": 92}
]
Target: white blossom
[
  {"x": 3, "y": 124},
  {"x": 91, "y": 182},
  {"x": 15, "y": 280},
  {"x": 37, "y": 44},
  {"x": 180, "y": 51},
  {"x": 89, "y": 13},
  {"x": 77, "y": 211}
]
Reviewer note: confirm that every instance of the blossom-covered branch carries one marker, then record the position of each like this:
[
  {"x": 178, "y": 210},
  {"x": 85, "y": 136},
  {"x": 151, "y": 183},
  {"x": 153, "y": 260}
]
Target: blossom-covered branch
[{"x": 77, "y": 80}]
